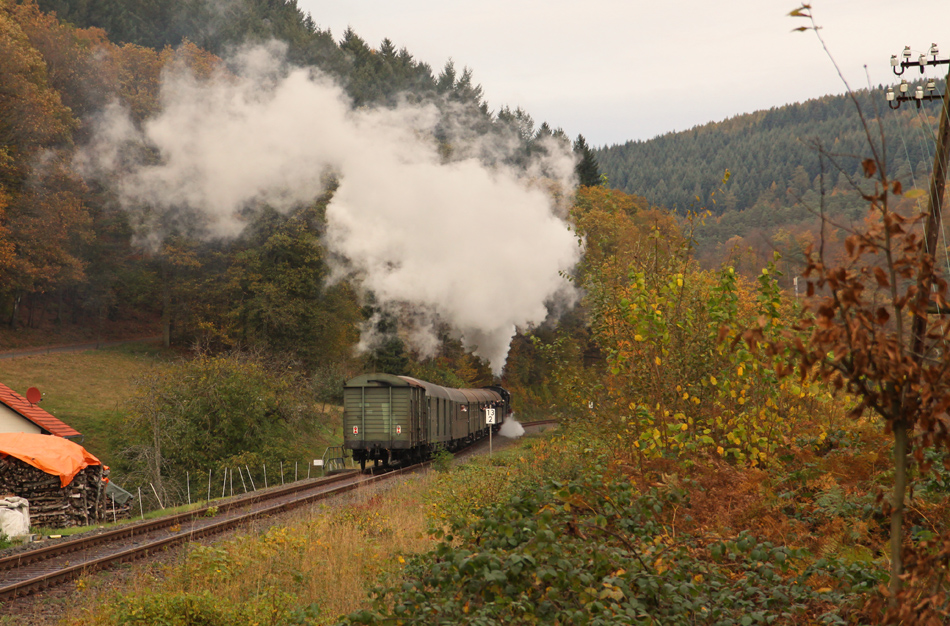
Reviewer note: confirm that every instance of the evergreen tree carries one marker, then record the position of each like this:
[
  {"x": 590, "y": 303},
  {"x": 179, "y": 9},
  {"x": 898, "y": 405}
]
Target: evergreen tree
[{"x": 587, "y": 169}]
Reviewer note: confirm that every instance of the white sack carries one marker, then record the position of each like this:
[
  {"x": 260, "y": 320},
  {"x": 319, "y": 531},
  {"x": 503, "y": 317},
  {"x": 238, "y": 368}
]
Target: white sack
[{"x": 14, "y": 516}]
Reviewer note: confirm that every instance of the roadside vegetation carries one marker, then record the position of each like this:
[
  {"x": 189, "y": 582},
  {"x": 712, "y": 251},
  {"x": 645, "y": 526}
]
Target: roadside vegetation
[{"x": 325, "y": 562}]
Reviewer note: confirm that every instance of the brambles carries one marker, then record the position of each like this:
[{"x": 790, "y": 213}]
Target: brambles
[{"x": 594, "y": 550}]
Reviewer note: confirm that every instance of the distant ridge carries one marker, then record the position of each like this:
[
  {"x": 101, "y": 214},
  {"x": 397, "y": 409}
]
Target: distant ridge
[{"x": 770, "y": 154}]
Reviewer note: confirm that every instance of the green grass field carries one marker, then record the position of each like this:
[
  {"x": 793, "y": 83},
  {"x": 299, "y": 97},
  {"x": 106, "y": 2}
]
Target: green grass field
[{"x": 87, "y": 390}]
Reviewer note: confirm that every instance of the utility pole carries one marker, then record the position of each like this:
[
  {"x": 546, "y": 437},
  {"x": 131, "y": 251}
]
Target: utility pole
[{"x": 938, "y": 179}]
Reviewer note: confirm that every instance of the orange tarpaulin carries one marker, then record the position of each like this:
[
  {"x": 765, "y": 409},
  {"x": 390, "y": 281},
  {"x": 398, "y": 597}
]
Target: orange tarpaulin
[{"x": 52, "y": 454}]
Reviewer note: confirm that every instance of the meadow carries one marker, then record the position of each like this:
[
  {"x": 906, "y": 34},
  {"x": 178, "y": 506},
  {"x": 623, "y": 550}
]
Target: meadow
[{"x": 87, "y": 390}]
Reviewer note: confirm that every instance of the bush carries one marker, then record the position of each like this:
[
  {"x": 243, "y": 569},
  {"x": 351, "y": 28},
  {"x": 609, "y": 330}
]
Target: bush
[
  {"x": 442, "y": 461},
  {"x": 594, "y": 551},
  {"x": 196, "y": 414}
]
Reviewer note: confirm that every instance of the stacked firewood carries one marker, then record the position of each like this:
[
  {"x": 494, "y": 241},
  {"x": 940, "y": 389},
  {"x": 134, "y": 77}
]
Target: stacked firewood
[
  {"x": 115, "y": 510},
  {"x": 80, "y": 503}
]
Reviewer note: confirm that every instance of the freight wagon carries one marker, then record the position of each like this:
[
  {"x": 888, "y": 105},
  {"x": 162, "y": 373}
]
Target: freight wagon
[{"x": 391, "y": 419}]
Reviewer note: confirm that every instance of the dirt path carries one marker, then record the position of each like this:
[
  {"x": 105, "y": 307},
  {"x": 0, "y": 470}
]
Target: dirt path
[{"x": 78, "y": 347}]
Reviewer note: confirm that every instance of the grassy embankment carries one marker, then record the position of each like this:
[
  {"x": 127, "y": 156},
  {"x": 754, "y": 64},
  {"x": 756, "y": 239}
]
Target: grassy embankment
[
  {"x": 700, "y": 529},
  {"x": 318, "y": 566}
]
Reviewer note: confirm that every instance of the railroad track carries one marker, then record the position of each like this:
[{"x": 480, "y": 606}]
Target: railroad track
[{"x": 34, "y": 570}]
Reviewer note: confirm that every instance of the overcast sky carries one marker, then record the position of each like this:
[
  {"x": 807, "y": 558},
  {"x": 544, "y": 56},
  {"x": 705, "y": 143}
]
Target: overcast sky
[{"x": 616, "y": 70}]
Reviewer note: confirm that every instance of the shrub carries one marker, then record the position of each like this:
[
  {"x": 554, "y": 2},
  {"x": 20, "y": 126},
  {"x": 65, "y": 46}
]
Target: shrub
[{"x": 442, "y": 461}]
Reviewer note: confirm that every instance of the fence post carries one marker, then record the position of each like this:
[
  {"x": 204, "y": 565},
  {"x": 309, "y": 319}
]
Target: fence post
[
  {"x": 281, "y": 472},
  {"x": 156, "y": 496},
  {"x": 241, "y": 474},
  {"x": 251, "y": 478},
  {"x": 265, "y": 475}
]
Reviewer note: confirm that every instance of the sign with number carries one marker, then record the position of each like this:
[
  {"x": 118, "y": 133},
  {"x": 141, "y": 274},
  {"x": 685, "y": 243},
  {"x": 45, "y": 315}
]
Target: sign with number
[
  {"x": 489, "y": 416},
  {"x": 356, "y": 430},
  {"x": 398, "y": 430}
]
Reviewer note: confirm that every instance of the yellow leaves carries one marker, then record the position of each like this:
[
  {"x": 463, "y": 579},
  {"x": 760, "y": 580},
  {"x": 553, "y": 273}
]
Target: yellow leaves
[
  {"x": 638, "y": 337},
  {"x": 698, "y": 578},
  {"x": 684, "y": 427},
  {"x": 720, "y": 451},
  {"x": 694, "y": 400},
  {"x": 740, "y": 371},
  {"x": 713, "y": 381},
  {"x": 658, "y": 361}
]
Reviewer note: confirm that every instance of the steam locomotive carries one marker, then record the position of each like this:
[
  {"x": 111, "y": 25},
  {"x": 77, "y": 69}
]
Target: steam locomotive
[{"x": 396, "y": 420}]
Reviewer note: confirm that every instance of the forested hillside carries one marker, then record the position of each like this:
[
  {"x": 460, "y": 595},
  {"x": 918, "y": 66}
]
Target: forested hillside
[
  {"x": 71, "y": 255},
  {"x": 775, "y": 167}
]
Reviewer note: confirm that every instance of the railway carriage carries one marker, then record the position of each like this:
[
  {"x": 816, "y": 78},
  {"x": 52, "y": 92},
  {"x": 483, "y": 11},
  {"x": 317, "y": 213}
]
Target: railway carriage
[{"x": 391, "y": 419}]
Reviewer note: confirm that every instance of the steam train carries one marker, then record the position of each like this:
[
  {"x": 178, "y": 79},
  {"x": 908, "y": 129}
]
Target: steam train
[{"x": 396, "y": 420}]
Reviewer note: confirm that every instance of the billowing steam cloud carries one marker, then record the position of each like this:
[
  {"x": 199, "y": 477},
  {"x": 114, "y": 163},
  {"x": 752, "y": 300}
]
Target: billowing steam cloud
[{"x": 476, "y": 246}]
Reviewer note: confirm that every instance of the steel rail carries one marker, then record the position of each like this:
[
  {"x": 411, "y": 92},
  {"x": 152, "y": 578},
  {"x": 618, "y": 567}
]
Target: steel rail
[{"x": 128, "y": 531}]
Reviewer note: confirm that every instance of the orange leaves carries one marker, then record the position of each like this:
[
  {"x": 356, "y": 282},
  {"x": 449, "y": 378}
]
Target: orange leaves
[
  {"x": 6, "y": 246},
  {"x": 881, "y": 277},
  {"x": 31, "y": 113}
]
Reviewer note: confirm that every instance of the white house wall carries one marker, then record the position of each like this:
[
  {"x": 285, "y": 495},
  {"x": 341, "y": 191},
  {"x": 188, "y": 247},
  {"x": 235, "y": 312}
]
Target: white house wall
[{"x": 13, "y": 422}]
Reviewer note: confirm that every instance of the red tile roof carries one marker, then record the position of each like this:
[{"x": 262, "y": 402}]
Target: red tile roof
[{"x": 35, "y": 414}]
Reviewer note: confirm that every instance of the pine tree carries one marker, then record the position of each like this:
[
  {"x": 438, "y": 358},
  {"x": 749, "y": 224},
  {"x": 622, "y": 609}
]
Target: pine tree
[{"x": 587, "y": 169}]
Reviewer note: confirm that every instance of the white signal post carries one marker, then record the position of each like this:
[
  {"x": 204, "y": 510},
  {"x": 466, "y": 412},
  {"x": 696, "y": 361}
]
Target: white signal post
[{"x": 490, "y": 420}]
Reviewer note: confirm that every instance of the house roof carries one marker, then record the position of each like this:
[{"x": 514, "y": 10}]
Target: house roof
[{"x": 35, "y": 414}]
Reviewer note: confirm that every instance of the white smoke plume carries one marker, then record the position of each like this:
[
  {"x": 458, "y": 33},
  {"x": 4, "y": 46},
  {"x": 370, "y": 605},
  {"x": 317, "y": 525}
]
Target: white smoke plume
[
  {"x": 511, "y": 428},
  {"x": 479, "y": 247}
]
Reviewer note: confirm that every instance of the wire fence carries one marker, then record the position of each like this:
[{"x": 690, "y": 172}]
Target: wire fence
[{"x": 223, "y": 481}]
